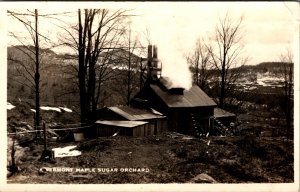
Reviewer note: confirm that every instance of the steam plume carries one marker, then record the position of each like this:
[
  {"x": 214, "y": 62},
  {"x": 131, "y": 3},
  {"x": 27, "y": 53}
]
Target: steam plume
[{"x": 174, "y": 66}]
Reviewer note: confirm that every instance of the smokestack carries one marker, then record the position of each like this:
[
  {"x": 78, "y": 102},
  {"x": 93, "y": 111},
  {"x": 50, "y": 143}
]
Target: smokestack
[
  {"x": 155, "y": 51},
  {"x": 154, "y": 65},
  {"x": 149, "y": 53},
  {"x": 149, "y": 62}
]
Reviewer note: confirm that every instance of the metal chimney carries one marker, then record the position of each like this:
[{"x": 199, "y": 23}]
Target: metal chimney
[{"x": 154, "y": 65}]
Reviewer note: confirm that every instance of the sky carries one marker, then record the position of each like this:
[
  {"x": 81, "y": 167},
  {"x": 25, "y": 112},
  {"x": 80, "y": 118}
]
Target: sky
[{"x": 269, "y": 27}]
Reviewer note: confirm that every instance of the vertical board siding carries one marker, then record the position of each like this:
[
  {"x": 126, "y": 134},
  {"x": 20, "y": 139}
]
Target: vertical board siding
[
  {"x": 105, "y": 131},
  {"x": 142, "y": 131},
  {"x": 149, "y": 130},
  {"x": 154, "y": 127}
]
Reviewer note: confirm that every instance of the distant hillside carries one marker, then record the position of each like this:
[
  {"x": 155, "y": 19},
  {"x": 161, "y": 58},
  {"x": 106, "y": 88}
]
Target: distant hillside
[
  {"x": 59, "y": 76},
  {"x": 59, "y": 84},
  {"x": 31, "y": 48},
  {"x": 271, "y": 67},
  {"x": 272, "y": 64},
  {"x": 56, "y": 79}
]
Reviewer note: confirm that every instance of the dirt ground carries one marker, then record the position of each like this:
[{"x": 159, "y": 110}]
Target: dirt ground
[{"x": 165, "y": 158}]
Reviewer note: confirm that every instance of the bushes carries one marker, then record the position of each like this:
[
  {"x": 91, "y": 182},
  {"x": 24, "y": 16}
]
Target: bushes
[
  {"x": 14, "y": 155},
  {"x": 248, "y": 169}
]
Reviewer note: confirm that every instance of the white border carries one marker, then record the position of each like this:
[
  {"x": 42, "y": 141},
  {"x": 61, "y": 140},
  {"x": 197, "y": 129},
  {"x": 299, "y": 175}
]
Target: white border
[{"x": 130, "y": 187}]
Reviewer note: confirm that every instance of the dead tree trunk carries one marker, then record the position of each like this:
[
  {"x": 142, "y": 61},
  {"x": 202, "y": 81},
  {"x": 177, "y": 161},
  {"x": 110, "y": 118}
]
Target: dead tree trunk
[
  {"x": 37, "y": 73},
  {"x": 81, "y": 70}
]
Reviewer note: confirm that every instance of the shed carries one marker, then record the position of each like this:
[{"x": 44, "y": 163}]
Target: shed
[
  {"x": 129, "y": 113},
  {"x": 156, "y": 121},
  {"x": 224, "y": 117},
  {"x": 129, "y": 128}
]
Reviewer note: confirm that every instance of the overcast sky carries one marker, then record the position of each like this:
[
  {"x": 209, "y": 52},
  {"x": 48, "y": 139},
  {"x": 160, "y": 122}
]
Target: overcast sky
[{"x": 269, "y": 27}]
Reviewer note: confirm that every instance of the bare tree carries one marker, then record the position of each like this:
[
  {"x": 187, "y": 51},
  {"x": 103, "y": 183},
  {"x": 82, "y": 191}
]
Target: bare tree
[
  {"x": 131, "y": 57},
  {"x": 31, "y": 48},
  {"x": 286, "y": 72},
  {"x": 227, "y": 54},
  {"x": 91, "y": 42},
  {"x": 200, "y": 63},
  {"x": 30, "y": 72},
  {"x": 143, "y": 62}
]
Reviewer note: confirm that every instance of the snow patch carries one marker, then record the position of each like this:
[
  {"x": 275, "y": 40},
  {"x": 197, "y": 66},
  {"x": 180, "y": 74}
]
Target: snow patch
[
  {"x": 58, "y": 109},
  {"x": 252, "y": 88},
  {"x": 261, "y": 83},
  {"x": 9, "y": 106},
  {"x": 50, "y": 108},
  {"x": 66, "y": 109},
  {"x": 66, "y": 151},
  {"x": 269, "y": 80}
]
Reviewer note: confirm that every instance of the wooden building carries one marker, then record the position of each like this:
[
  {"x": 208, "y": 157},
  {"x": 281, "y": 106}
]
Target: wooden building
[
  {"x": 129, "y": 121},
  {"x": 187, "y": 110},
  {"x": 106, "y": 128},
  {"x": 161, "y": 106}
]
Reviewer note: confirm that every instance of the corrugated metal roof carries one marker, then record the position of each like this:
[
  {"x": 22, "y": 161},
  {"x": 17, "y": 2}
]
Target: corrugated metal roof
[
  {"x": 134, "y": 114},
  {"x": 194, "y": 97},
  {"x": 222, "y": 113},
  {"x": 129, "y": 124}
]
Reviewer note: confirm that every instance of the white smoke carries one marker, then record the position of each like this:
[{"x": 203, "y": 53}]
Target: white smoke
[{"x": 174, "y": 66}]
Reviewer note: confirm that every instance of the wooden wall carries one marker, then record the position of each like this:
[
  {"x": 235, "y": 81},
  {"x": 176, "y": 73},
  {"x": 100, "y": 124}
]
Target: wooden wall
[
  {"x": 155, "y": 127},
  {"x": 105, "y": 130},
  {"x": 180, "y": 119}
]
